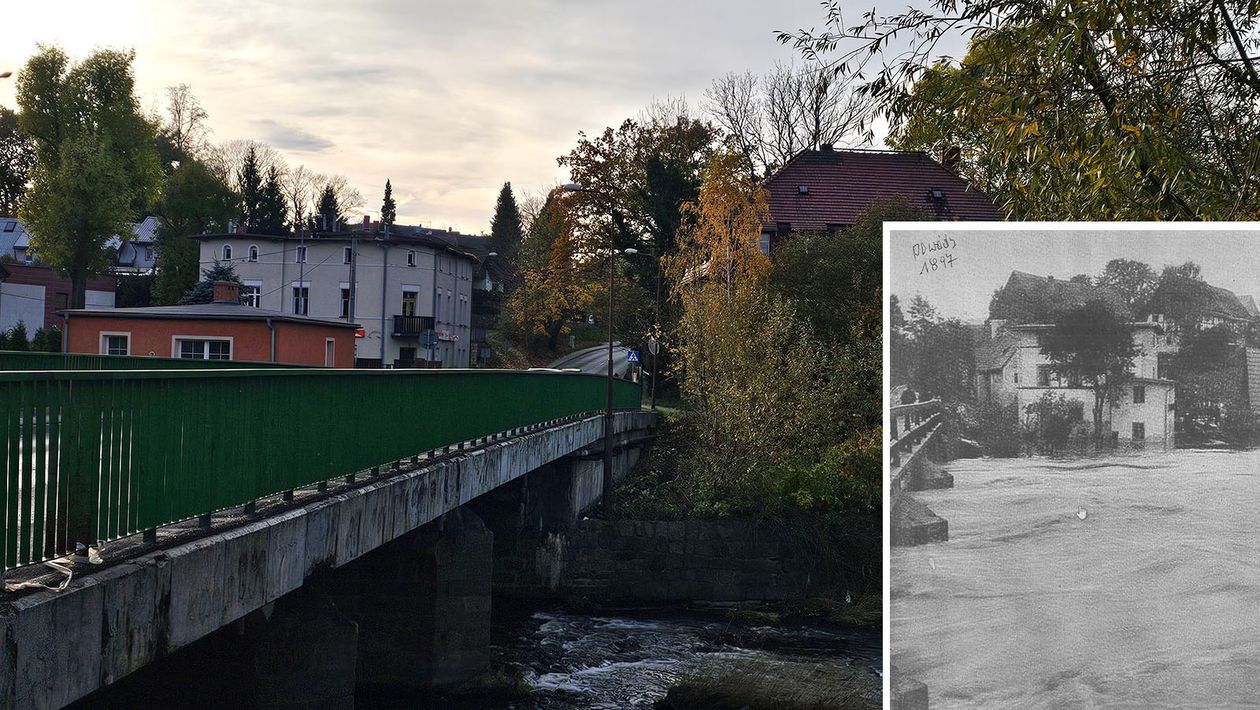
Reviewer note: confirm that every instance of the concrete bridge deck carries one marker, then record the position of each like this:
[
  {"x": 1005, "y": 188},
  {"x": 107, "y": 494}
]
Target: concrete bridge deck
[{"x": 112, "y": 621}]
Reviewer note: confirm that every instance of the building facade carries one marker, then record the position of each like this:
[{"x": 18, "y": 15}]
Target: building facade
[
  {"x": 412, "y": 294},
  {"x": 34, "y": 295},
  {"x": 222, "y": 330}
]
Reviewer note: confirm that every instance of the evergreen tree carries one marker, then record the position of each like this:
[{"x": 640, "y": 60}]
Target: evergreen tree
[
  {"x": 328, "y": 212},
  {"x": 16, "y": 338},
  {"x": 506, "y": 234},
  {"x": 273, "y": 209},
  {"x": 389, "y": 211},
  {"x": 251, "y": 182},
  {"x": 203, "y": 290}
]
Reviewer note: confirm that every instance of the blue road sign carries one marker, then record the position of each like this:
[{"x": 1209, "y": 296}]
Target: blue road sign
[{"x": 632, "y": 356}]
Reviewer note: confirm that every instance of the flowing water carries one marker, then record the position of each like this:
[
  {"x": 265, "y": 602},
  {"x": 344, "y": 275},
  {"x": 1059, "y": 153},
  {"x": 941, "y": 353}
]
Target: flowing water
[
  {"x": 631, "y": 660},
  {"x": 1126, "y": 582}
]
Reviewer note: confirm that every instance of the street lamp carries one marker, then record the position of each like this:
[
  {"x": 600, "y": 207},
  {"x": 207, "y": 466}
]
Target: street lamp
[{"x": 608, "y": 409}]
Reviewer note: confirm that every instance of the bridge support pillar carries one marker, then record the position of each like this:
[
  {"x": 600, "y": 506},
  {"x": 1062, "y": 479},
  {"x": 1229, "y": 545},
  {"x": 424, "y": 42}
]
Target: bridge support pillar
[
  {"x": 422, "y": 604},
  {"x": 305, "y": 655}
]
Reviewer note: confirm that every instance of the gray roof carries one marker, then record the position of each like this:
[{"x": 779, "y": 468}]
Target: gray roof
[
  {"x": 205, "y": 311},
  {"x": 459, "y": 244},
  {"x": 18, "y": 238}
]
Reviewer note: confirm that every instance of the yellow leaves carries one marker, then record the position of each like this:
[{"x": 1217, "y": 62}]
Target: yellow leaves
[
  {"x": 1137, "y": 132},
  {"x": 723, "y": 241}
]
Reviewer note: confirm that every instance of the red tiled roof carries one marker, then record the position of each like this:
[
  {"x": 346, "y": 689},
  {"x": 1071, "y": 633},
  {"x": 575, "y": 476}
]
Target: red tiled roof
[{"x": 843, "y": 183}]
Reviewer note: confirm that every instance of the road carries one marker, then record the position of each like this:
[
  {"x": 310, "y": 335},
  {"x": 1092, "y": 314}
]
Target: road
[{"x": 595, "y": 360}]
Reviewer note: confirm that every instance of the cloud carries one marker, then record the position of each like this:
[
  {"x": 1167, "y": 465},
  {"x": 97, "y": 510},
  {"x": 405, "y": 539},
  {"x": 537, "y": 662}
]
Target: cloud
[{"x": 286, "y": 137}]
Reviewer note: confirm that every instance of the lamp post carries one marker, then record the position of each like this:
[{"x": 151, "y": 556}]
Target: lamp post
[{"x": 608, "y": 409}]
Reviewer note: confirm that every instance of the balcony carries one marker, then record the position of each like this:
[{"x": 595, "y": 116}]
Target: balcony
[{"x": 411, "y": 326}]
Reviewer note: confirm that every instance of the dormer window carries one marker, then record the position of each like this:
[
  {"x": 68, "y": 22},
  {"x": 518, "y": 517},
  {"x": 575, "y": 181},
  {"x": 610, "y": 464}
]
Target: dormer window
[
  {"x": 253, "y": 252},
  {"x": 227, "y": 252}
]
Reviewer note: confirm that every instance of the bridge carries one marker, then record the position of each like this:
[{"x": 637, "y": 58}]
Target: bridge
[
  {"x": 916, "y": 439},
  {"x": 340, "y": 520}
]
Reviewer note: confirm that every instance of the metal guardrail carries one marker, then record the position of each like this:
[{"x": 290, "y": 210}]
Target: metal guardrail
[
  {"x": 23, "y": 360},
  {"x": 909, "y": 427},
  {"x": 92, "y": 456}
]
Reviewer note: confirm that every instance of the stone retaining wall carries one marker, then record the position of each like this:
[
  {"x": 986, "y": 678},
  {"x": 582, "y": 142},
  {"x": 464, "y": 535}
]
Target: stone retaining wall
[{"x": 635, "y": 561}]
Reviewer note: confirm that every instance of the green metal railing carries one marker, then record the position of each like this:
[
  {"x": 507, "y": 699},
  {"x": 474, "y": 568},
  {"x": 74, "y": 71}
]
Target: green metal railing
[
  {"x": 92, "y": 456},
  {"x": 17, "y": 360}
]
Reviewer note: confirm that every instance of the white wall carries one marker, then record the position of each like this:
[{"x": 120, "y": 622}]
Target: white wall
[
  {"x": 381, "y": 273},
  {"x": 22, "y": 302}
]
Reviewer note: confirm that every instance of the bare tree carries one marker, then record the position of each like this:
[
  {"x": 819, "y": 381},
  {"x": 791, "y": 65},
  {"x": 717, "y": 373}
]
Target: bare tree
[
  {"x": 226, "y": 158},
  {"x": 348, "y": 197},
  {"x": 186, "y": 121},
  {"x": 301, "y": 188},
  {"x": 736, "y": 106},
  {"x": 771, "y": 118}
]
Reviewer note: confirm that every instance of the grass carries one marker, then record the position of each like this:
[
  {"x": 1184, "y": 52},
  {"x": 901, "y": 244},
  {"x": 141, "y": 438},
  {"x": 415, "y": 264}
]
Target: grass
[{"x": 775, "y": 685}]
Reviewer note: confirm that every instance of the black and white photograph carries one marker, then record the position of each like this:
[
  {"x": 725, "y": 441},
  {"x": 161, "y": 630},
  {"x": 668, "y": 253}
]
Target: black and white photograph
[{"x": 1073, "y": 427}]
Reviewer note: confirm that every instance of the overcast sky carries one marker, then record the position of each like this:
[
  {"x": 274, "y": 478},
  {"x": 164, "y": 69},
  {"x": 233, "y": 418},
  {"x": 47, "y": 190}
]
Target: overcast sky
[
  {"x": 984, "y": 260},
  {"x": 447, "y": 98}
]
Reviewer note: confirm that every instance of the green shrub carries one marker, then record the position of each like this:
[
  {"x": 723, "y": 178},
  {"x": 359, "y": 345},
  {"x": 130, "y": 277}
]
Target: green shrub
[{"x": 848, "y": 479}]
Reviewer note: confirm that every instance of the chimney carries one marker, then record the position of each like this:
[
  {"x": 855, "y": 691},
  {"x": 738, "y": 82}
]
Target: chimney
[
  {"x": 231, "y": 226},
  {"x": 367, "y": 221},
  {"x": 825, "y": 147},
  {"x": 996, "y": 326},
  {"x": 227, "y": 292},
  {"x": 951, "y": 157}
]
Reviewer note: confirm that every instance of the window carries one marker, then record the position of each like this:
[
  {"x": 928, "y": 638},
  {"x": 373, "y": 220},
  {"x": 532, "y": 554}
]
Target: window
[
  {"x": 227, "y": 252},
  {"x": 409, "y": 302},
  {"x": 1139, "y": 394},
  {"x": 764, "y": 243},
  {"x": 330, "y": 352},
  {"x": 347, "y": 255},
  {"x": 301, "y": 255},
  {"x": 199, "y": 349},
  {"x": 251, "y": 295},
  {"x": 10, "y": 226},
  {"x": 148, "y": 253},
  {"x": 345, "y": 303},
  {"x": 301, "y": 300},
  {"x": 253, "y": 252},
  {"x": 1016, "y": 378},
  {"x": 411, "y": 257},
  {"x": 1139, "y": 431},
  {"x": 115, "y": 344}
]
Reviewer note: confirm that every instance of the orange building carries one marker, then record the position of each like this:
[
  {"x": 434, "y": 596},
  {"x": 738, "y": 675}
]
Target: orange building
[{"x": 222, "y": 330}]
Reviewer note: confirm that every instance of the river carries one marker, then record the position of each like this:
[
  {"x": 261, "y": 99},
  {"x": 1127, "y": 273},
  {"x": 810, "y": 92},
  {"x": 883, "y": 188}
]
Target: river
[
  {"x": 1125, "y": 582},
  {"x": 631, "y": 659}
]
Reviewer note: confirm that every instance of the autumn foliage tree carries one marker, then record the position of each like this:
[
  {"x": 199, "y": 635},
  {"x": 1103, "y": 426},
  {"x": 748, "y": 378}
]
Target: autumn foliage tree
[
  {"x": 1069, "y": 110},
  {"x": 555, "y": 287}
]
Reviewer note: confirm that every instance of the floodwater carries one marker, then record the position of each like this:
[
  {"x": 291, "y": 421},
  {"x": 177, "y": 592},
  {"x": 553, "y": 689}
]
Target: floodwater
[
  {"x": 629, "y": 660},
  {"x": 1124, "y": 582}
]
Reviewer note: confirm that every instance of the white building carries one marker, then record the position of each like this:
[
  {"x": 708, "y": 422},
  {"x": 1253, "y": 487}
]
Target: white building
[
  {"x": 1012, "y": 369},
  {"x": 412, "y": 294}
]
